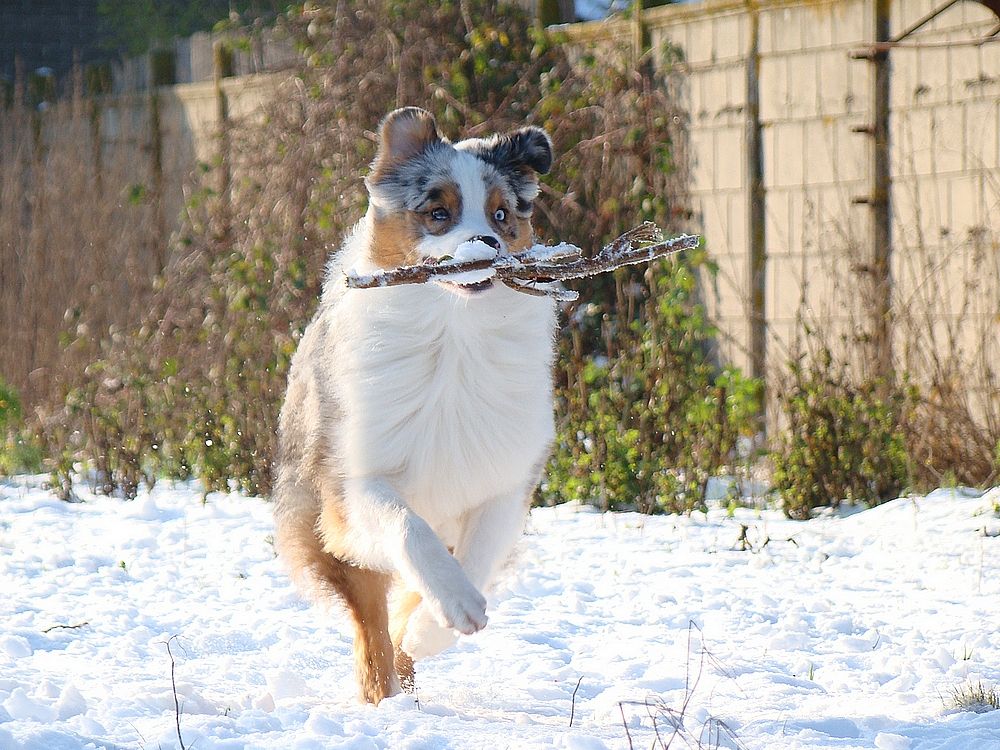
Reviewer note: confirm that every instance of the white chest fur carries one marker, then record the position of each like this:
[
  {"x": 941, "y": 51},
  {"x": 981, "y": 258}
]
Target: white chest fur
[{"x": 448, "y": 397}]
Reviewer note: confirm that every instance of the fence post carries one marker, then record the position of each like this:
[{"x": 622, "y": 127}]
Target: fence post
[
  {"x": 162, "y": 73},
  {"x": 878, "y": 265},
  {"x": 881, "y": 196},
  {"x": 222, "y": 66},
  {"x": 756, "y": 197}
]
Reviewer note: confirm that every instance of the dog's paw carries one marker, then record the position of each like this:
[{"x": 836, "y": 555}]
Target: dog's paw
[
  {"x": 425, "y": 637},
  {"x": 459, "y": 606}
]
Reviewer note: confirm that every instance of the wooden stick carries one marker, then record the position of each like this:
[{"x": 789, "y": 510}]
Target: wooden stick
[{"x": 639, "y": 245}]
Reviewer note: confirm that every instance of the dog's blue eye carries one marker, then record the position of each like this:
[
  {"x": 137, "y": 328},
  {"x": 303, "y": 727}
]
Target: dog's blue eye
[
  {"x": 440, "y": 214},
  {"x": 500, "y": 215}
]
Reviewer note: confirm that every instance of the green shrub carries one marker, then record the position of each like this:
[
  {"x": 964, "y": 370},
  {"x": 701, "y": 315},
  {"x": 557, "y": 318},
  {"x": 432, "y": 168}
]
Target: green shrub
[
  {"x": 646, "y": 422},
  {"x": 843, "y": 440},
  {"x": 19, "y": 453},
  {"x": 10, "y": 406}
]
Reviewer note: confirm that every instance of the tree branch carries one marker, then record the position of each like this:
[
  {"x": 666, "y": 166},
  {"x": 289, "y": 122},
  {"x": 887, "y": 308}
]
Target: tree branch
[{"x": 541, "y": 264}]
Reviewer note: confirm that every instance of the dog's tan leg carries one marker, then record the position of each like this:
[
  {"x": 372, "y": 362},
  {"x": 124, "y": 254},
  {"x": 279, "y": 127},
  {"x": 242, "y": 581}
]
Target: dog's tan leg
[
  {"x": 403, "y": 607},
  {"x": 363, "y": 591}
]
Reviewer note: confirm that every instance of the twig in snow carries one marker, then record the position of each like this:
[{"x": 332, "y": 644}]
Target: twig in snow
[
  {"x": 572, "y": 708},
  {"x": 67, "y": 627},
  {"x": 625, "y": 724},
  {"x": 659, "y": 712},
  {"x": 744, "y": 542},
  {"x": 142, "y": 739},
  {"x": 790, "y": 539},
  {"x": 540, "y": 265},
  {"x": 173, "y": 685}
]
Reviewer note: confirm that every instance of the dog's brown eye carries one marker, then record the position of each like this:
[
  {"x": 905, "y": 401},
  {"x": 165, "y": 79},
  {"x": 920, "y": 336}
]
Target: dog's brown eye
[
  {"x": 440, "y": 214},
  {"x": 500, "y": 216}
]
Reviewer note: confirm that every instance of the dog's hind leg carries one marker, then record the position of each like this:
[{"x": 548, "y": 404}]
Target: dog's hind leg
[
  {"x": 363, "y": 591},
  {"x": 403, "y": 606}
]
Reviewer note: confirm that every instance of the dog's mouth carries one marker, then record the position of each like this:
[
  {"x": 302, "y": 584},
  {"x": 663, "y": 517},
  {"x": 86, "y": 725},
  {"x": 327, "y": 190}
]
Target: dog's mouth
[
  {"x": 467, "y": 289},
  {"x": 469, "y": 283}
]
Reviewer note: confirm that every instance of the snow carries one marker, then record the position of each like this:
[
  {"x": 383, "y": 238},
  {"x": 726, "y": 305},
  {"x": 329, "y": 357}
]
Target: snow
[
  {"x": 544, "y": 253},
  {"x": 466, "y": 252},
  {"x": 471, "y": 250},
  {"x": 851, "y": 635}
]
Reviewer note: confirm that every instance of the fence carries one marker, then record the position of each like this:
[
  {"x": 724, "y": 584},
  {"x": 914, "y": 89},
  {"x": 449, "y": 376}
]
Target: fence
[{"x": 842, "y": 184}]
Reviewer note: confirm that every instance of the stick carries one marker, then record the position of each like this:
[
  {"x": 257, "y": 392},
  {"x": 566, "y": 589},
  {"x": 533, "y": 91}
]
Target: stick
[
  {"x": 625, "y": 724},
  {"x": 639, "y": 245},
  {"x": 572, "y": 708},
  {"x": 66, "y": 627},
  {"x": 173, "y": 685}
]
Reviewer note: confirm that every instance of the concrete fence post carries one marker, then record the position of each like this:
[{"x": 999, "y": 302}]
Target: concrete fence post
[
  {"x": 222, "y": 67},
  {"x": 756, "y": 197}
]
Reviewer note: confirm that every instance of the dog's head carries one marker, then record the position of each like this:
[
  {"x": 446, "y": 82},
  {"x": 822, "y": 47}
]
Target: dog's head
[{"x": 428, "y": 195}]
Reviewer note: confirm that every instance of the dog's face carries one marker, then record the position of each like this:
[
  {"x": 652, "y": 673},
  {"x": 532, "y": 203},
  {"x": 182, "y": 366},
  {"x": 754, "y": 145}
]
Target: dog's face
[{"x": 428, "y": 195}]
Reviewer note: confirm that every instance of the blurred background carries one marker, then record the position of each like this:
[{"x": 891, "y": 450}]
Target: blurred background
[{"x": 173, "y": 175}]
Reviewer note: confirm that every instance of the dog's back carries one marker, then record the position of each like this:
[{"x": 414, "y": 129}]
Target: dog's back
[{"x": 417, "y": 419}]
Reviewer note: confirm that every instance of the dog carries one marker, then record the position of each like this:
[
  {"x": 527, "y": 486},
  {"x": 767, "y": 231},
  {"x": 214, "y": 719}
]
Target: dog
[{"x": 418, "y": 418}]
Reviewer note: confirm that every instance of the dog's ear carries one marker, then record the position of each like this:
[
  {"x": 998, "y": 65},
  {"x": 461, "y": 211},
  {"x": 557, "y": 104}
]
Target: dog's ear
[
  {"x": 524, "y": 149},
  {"x": 403, "y": 134},
  {"x": 520, "y": 157}
]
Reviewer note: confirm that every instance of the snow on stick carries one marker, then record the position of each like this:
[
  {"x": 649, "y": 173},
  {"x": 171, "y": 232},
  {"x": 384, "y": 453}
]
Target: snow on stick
[{"x": 538, "y": 265}]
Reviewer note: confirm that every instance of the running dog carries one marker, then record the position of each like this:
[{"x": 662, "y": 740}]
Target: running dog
[{"x": 418, "y": 418}]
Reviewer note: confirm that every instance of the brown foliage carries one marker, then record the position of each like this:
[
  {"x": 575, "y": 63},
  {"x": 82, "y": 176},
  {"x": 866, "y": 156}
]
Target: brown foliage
[
  {"x": 79, "y": 232},
  {"x": 195, "y": 388}
]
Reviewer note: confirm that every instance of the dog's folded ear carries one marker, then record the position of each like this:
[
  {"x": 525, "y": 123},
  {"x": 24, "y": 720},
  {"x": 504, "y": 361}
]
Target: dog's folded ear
[
  {"x": 527, "y": 148},
  {"x": 403, "y": 134},
  {"x": 520, "y": 156}
]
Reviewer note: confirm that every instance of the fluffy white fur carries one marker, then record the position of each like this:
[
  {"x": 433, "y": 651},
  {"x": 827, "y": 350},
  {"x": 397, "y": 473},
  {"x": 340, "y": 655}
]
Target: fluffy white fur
[{"x": 447, "y": 414}]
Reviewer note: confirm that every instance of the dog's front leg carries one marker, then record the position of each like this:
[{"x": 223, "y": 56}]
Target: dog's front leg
[
  {"x": 382, "y": 532},
  {"x": 489, "y": 534}
]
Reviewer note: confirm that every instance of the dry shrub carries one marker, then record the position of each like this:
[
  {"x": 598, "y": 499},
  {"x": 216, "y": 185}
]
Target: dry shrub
[
  {"x": 848, "y": 433},
  {"x": 196, "y": 388},
  {"x": 77, "y": 232},
  {"x": 949, "y": 327}
]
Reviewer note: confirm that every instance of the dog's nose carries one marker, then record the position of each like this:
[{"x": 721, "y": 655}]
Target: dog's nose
[{"x": 487, "y": 240}]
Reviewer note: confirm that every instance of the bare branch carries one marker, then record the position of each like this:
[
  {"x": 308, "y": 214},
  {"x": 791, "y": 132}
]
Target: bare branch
[
  {"x": 572, "y": 708},
  {"x": 625, "y": 724},
  {"x": 173, "y": 685},
  {"x": 540, "y": 265},
  {"x": 67, "y": 627}
]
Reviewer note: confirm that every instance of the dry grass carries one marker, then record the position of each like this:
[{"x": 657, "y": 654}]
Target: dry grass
[
  {"x": 976, "y": 698},
  {"x": 78, "y": 232},
  {"x": 672, "y": 724},
  {"x": 946, "y": 334}
]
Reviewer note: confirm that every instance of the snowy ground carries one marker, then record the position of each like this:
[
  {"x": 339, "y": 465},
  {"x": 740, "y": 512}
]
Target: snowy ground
[{"x": 852, "y": 636}]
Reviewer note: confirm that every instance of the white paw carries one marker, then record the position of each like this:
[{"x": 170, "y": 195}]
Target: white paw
[
  {"x": 457, "y": 605},
  {"x": 424, "y": 637}
]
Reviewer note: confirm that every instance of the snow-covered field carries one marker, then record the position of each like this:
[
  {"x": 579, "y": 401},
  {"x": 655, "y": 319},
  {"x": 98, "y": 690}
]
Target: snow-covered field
[{"x": 852, "y": 635}]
